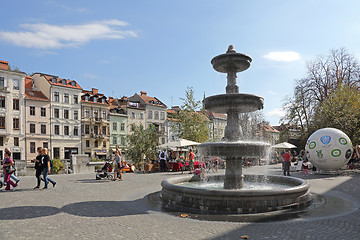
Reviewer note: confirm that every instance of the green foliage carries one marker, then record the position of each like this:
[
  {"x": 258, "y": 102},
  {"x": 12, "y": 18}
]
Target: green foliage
[
  {"x": 56, "y": 166},
  {"x": 192, "y": 124},
  {"x": 341, "y": 110},
  {"x": 142, "y": 143}
]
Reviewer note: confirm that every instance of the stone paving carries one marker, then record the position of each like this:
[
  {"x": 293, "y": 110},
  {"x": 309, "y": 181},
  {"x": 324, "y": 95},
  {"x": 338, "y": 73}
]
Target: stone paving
[{"x": 80, "y": 207}]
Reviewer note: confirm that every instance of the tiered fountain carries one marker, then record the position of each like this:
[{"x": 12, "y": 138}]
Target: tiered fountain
[{"x": 235, "y": 196}]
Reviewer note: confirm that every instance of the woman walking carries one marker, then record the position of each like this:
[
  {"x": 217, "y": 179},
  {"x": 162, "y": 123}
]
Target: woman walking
[
  {"x": 7, "y": 162},
  {"x": 46, "y": 168}
]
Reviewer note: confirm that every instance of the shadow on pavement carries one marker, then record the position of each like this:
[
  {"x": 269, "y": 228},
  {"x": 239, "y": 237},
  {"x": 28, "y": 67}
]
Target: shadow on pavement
[{"x": 26, "y": 212}]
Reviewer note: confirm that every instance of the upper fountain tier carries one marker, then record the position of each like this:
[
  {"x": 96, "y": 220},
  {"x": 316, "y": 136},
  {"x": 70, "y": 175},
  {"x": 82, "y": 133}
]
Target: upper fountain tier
[{"x": 231, "y": 61}]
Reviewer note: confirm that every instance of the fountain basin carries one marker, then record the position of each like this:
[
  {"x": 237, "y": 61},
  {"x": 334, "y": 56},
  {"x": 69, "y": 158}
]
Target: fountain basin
[
  {"x": 233, "y": 61},
  {"x": 230, "y": 149},
  {"x": 240, "y": 102},
  {"x": 180, "y": 198}
]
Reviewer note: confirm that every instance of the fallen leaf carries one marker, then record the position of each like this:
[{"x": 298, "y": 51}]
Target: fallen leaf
[
  {"x": 184, "y": 215},
  {"x": 244, "y": 237}
]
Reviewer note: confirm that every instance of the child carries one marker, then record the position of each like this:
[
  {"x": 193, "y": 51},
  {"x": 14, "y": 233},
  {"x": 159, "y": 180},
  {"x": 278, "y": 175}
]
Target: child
[{"x": 305, "y": 168}]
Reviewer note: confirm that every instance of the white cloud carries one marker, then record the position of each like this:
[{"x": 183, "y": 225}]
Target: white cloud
[
  {"x": 289, "y": 56},
  {"x": 276, "y": 112},
  {"x": 272, "y": 93},
  {"x": 89, "y": 75},
  {"x": 46, "y": 36}
]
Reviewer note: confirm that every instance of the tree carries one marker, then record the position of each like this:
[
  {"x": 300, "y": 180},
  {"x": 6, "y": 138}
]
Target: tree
[
  {"x": 191, "y": 124},
  {"x": 142, "y": 143},
  {"x": 341, "y": 110},
  {"x": 324, "y": 75},
  {"x": 251, "y": 125}
]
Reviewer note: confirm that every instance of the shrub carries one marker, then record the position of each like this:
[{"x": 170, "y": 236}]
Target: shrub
[{"x": 56, "y": 166}]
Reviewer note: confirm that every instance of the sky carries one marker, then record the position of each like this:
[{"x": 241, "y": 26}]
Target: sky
[{"x": 163, "y": 47}]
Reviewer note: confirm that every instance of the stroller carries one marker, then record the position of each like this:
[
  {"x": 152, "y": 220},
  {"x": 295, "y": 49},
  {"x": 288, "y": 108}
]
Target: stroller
[{"x": 105, "y": 171}]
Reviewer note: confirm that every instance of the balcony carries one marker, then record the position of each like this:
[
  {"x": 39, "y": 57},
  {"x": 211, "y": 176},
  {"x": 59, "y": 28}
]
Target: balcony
[{"x": 3, "y": 89}]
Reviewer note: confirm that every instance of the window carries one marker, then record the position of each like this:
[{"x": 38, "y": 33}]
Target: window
[
  {"x": 16, "y": 123},
  {"x": 43, "y": 112},
  {"x": 46, "y": 145},
  {"x": 141, "y": 116},
  {"x": 87, "y": 129},
  {"x": 43, "y": 129},
  {"x": 103, "y": 114},
  {"x": 96, "y": 114},
  {"x": 114, "y": 140},
  {"x": 76, "y": 115},
  {"x": 95, "y": 99},
  {"x": 57, "y": 129},
  {"x": 87, "y": 143},
  {"x": 16, "y": 141},
  {"x": 96, "y": 130},
  {"x": 66, "y": 130},
  {"x": 32, "y": 110},
  {"x": 162, "y": 140},
  {"x": 54, "y": 80},
  {"x": 76, "y": 131},
  {"x": 87, "y": 113},
  {"x": 86, "y": 98},
  {"x": 132, "y": 115},
  {"x": 16, "y": 104},
  {"x": 56, "y": 97},
  {"x": 76, "y": 101},
  {"x": 73, "y": 83},
  {"x": 150, "y": 114},
  {"x": 66, "y": 114},
  {"x": 2, "y": 82},
  {"x": 32, "y": 147},
  {"x": 1, "y": 143},
  {"x": 66, "y": 98},
  {"x": 2, "y": 122},
  {"x": 156, "y": 115},
  {"x": 96, "y": 144},
  {"x": 56, "y": 113},
  {"x": 114, "y": 125},
  {"x": 104, "y": 144},
  {"x": 104, "y": 130},
  {"x": 122, "y": 141},
  {"x": 162, "y": 116},
  {"x": 2, "y": 102},
  {"x": 103, "y": 100},
  {"x": 16, "y": 84},
  {"x": 122, "y": 127},
  {"x": 32, "y": 128},
  {"x": 64, "y": 82}
]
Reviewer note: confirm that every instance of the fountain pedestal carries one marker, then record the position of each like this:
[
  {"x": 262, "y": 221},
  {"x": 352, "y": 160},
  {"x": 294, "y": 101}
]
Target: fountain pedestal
[{"x": 234, "y": 179}]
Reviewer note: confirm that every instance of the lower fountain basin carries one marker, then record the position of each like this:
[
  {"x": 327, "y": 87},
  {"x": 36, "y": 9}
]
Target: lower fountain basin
[
  {"x": 295, "y": 194},
  {"x": 230, "y": 149}
]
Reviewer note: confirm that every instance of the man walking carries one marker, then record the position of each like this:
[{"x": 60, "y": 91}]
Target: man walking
[
  {"x": 118, "y": 162},
  {"x": 38, "y": 166},
  {"x": 191, "y": 160},
  {"x": 287, "y": 157}
]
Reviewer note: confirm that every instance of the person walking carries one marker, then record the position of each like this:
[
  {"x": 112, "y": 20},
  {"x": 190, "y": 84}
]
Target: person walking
[
  {"x": 12, "y": 176},
  {"x": 287, "y": 158},
  {"x": 191, "y": 160},
  {"x": 38, "y": 166},
  {"x": 163, "y": 157},
  {"x": 305, "y": 167},
  {"x": 118, "y": 165},
  {"x": 46, "y": 168},
  {"x": 7, "y": 162}
]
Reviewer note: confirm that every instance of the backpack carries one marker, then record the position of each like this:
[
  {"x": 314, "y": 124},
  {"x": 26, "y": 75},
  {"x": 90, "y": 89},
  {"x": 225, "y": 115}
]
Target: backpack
[{"x": 162, "y": 155}]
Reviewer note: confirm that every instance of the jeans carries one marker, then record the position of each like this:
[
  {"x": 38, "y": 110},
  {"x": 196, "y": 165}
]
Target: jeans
[{"x": 46, "y": 178}]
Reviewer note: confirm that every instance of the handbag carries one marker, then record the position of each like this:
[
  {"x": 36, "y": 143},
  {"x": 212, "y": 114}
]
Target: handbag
[{"x": 10, "y": 169}]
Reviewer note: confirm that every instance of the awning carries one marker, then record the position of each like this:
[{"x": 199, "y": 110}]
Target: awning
[{"x": 100, "y": 153}]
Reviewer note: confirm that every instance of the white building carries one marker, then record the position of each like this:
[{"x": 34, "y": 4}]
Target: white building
[
  {"x": 65, "y": 114},
  {"x": 12, "y": 115}
]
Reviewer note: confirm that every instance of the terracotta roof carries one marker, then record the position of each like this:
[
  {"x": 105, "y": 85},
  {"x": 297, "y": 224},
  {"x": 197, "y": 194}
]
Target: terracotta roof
[
  {"x": 35, "y": 95},
  {"x": 216, "y": 115},
  {"x": 268, "y": 128},
  {"x": 54, "y": 80},
  {"x": 91, "y": 95},
  {"x": 171, "y": 111},
  {"x": 151, "y": 100}
]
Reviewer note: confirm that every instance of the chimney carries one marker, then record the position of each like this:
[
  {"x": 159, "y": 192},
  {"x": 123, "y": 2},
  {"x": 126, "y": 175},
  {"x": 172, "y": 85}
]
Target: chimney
[
  {"x": 28, "y": 82},
  {"x": 110, "y": 99},
  {"x": 142, "y": 93},
  {"x": 4, "y": 65},
  {"x": 94, "y": 90}
]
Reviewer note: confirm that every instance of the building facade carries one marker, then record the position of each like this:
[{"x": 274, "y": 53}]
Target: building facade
[
  {"x": 155, "y": 114},
  {"x": 95, "y": 124},
  {"x": 37, "y": 110},
  {"x": 65, "y": 114},
  {"x": 118, "y": 125},
  {"x": 12, "y": 115}
]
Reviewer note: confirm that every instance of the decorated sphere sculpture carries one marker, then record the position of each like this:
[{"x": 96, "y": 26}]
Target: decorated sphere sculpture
[{"x": 329, "y": 149}]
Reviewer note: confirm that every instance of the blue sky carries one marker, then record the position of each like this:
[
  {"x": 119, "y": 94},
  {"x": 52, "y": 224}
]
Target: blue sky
[{"x": 162, "y": 47}]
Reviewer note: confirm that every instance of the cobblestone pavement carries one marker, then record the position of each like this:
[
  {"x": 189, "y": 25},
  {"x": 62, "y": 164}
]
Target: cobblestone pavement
[{"x": 80, "y": 207}]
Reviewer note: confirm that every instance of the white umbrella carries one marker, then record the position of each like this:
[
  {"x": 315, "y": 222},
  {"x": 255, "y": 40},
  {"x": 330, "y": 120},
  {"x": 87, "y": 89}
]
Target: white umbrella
[
  {"x": 179, "y": 144},
  {"x": 284, "y": 145}
]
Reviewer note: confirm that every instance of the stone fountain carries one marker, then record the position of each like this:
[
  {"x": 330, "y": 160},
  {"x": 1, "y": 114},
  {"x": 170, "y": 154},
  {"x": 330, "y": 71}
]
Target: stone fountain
[{"x": 234, "y": 197}]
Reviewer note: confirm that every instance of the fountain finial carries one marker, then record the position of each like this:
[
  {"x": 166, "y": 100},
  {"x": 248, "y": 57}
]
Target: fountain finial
[{"x": 231, "y": 49}]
